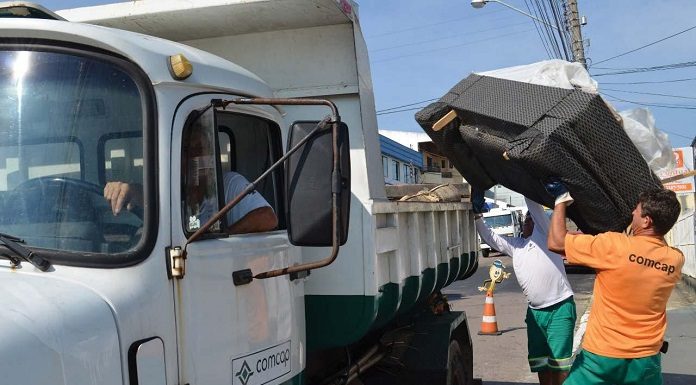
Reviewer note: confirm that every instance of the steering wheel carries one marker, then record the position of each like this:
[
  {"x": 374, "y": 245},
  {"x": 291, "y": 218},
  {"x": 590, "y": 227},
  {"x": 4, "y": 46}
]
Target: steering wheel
[
  {"x": 69, "y": 214},
  {"x": 53, "y": 199}
]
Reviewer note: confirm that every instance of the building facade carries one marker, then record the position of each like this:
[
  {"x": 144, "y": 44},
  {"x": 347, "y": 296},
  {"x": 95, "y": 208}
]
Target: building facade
[
  {"x": 437, "y": 168},
  {"x": 400, "y": 164}
]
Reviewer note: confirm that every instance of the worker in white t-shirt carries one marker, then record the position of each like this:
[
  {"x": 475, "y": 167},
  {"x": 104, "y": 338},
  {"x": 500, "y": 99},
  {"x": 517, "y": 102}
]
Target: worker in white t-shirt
[{"x": 541, "y": 274}]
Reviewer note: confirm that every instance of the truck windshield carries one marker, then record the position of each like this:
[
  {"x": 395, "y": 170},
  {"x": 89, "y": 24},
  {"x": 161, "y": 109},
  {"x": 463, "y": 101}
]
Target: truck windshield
[
  {"x": 68, "y": 125},
  {"x": 498, "y": 221}
]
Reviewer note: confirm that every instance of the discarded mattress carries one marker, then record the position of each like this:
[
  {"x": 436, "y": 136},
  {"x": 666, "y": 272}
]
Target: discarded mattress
[{"x": 520, "y": 135}]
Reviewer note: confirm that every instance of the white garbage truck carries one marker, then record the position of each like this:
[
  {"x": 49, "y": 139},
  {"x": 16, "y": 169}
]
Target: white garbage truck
[{"x": 149, "y": 287}]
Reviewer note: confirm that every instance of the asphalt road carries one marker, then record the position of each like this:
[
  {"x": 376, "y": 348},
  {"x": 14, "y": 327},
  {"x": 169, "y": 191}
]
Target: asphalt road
[{"x": 502, "y": 360}]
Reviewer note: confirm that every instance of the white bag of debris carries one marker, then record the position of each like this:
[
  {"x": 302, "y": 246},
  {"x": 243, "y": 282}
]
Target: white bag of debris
[
  {"x": 652, "y": 143},
  {"x": 551, "y": 73}
]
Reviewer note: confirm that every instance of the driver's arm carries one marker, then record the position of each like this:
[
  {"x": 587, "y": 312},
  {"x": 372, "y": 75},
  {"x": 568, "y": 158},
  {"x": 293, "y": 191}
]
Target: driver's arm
[
  {"x": 255, "y": 221},
  {"x": 253, "y": 214},
  {"x": 120, "y": 194}
]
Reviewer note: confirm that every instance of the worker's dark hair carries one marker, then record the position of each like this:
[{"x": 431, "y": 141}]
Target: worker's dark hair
[{"x": 662, "y": 206}]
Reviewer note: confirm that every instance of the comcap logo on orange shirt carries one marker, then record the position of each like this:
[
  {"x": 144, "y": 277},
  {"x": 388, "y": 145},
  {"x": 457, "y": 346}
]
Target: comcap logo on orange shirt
[{"x": 647, "y": 262}]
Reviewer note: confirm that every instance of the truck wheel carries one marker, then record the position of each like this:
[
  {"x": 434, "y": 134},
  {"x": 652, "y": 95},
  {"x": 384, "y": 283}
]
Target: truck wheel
[
  {"x": 485, "y": 252},
  {"x": 457, "y": 371}
]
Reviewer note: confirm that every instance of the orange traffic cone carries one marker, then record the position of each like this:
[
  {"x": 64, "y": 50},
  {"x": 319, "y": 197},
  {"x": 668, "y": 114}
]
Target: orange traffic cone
[{"x": 489, "y": 326}]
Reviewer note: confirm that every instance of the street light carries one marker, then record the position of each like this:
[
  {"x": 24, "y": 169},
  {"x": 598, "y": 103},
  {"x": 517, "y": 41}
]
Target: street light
[
  {"x": 573, "y": 25},
  {"x": 480, "y": 3}
]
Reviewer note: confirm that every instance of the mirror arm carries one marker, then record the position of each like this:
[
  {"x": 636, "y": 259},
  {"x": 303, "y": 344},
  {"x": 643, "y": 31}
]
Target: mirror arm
[
  {"x": 335, "y": 118},
  {"x": 335, "y": 199},
  {"x": 310, "y": 265}
]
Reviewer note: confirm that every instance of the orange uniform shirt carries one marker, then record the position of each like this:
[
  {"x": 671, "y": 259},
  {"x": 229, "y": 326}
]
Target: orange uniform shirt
[{"x": 635, "y": 277}]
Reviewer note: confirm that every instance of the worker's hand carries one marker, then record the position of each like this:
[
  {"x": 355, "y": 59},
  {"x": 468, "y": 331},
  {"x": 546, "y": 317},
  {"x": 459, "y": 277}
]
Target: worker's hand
[
  {"x": 120, "y": 194},
  {"x": 558, "y": 191},
  {"x": 478, "y": 201}
]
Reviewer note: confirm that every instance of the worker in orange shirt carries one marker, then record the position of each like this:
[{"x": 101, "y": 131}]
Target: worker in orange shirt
[{"x": 635, "y": 277}]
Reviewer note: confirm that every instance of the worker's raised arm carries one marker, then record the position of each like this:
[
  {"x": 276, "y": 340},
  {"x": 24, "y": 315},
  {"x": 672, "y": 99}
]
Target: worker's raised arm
[
  {"x": 541, "y": 220},
  {"x": 557, "y": 229},
  {"x": 502, "y": 244}
]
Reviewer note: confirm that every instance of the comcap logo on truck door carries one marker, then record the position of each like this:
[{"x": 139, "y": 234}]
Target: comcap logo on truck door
[
  {"x": 263, "y": 366},
  {"x": 244, "y": 373}
]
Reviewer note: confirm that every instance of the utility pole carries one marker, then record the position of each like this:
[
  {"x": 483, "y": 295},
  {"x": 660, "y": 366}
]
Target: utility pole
[{"x": 575, "y": 33}]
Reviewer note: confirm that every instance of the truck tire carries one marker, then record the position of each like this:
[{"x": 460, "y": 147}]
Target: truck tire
[{"x": 457, "y": 371}]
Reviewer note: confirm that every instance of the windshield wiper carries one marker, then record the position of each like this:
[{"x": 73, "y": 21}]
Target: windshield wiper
[{"x": 13, "y": 243}]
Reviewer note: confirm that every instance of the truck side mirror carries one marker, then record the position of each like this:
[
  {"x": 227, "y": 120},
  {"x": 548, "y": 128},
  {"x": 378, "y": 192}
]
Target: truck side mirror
[{"x": 309, "y": 185}]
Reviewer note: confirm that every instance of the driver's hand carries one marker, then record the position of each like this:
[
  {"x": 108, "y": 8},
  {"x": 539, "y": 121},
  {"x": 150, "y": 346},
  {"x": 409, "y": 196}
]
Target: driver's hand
[{"x": 121, "y": 194}]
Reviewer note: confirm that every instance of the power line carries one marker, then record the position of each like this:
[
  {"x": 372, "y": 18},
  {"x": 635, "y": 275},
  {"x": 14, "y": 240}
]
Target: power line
[
  {"x": 558, "y": 40},
  {"x": 538, "y": 29},
  {"x": 567, "y": 15},
  {"x": 559, "y": 29},
  {"x": 448, "y": 37},
  {"x": 639, "y": 69},
  {"x": 395, "y": 112},
  {"x": 649, "y": 69},
  {"x": 407, "y": 105},
  {"x": 562, "y": 31},
  {"x": 651, "y": 82},
  {"x": 675, "y": 134},
  {"x": 654, "y": 105},
  {"x": 536, "y": 11},
  {"x": 539, "y": 13},
  {"x": 614, "y": 68},
  {"x": 421, "y": 26},
  {"x": 451, "y": 46},
  {"x": 653, "y": 94},
  {"x": 647, "y": 45},
  {"x": 659, "y": 105}
]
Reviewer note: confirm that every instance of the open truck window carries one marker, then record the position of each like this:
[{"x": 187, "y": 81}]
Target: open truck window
[
  {"x": 220, "y": 150},
  {"x": 255, "y": 144},
  {"x": 70, "y": 122}
]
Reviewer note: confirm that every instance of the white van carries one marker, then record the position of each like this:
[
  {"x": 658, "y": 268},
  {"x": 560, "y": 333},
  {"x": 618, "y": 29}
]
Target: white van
[{"x": 505, "y": 221}]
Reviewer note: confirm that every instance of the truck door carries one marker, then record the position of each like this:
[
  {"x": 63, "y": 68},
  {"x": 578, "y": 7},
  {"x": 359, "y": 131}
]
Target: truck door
[{"x": 227, "y": 334}]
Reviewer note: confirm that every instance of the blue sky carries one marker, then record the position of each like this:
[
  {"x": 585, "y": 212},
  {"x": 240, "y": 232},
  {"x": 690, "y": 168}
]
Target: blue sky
[{"x": 419, "y": 49}]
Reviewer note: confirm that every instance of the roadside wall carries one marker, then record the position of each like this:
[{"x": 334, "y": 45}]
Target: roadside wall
[{"x": 682, "y": 237}]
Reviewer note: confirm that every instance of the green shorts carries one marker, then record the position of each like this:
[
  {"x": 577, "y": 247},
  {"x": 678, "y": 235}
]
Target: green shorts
[
  {"x": 550, "y": 336},
  {"x": 590, "y": 369}
]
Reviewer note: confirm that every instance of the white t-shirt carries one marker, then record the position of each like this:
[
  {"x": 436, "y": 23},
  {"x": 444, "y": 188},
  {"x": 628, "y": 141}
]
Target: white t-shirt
[
  {"x": 539, "y": 272},
  {"x": 234, "y": 183}
]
